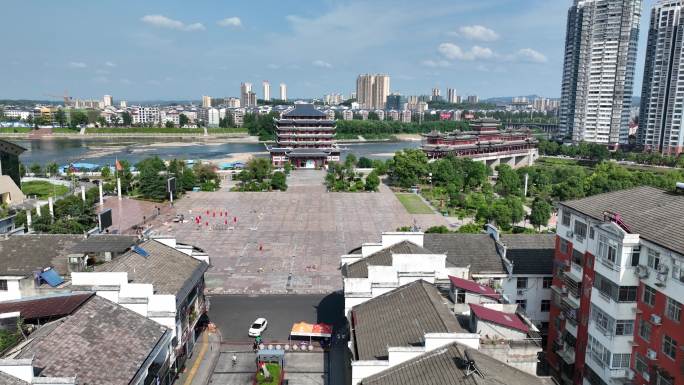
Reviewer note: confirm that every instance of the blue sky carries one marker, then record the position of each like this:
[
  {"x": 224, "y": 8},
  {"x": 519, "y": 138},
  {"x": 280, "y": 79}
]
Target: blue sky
[{"x": 169, "y": 49}]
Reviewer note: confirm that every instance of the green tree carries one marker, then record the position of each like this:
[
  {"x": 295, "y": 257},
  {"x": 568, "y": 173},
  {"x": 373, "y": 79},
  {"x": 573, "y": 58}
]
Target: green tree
[
  {"x": 409, "y": 167},
  {"x": 278, "y": 181},
  {"x": 169, "y": 124},
  {"x": 115, "y": 120},
  {"x": 364, "y": 163},
  {"x": 152, "y": 184},
  {"x": 78, "y": 118},
  {"x": 541, "y": 212},
  {"x": 60, "y": 117},
  {"x": 36, "y": 169},
  {"x": 508, "y": 181},
  {"x": 350, "y": 160},
  {"x": 470, "y": 228},
  {"x": 106, "y": 172},
  {"x": 183, "y": 120},
  {"x": 372, "y": 181},
  {"x": 127, "y": 119},
  {"x": 101, "y": 121},
  {"x": 437, "y": 230},
  {"x": 52, "y": 168}
]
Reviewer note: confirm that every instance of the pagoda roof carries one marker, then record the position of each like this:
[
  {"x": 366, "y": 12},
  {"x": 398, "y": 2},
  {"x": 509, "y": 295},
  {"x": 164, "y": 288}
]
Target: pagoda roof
[{"x": 304, "y": 111}]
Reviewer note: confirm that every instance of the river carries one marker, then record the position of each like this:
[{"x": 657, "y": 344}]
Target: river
[{"x": 105, "y": 151}]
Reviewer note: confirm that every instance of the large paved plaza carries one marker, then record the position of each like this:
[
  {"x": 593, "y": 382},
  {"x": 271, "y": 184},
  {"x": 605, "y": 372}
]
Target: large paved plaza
[{"x": 285, "y": 242}]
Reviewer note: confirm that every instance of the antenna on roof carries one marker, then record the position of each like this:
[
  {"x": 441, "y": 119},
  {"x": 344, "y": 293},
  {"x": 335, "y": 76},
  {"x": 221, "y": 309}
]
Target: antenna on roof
[{"x": 471, "y": 367}]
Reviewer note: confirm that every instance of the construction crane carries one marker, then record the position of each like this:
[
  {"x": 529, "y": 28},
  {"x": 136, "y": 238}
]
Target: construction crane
[{"x": 66, "y": 97}]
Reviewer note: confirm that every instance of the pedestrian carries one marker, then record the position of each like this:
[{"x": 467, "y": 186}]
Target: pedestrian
[{"x": 234, "y": 359}]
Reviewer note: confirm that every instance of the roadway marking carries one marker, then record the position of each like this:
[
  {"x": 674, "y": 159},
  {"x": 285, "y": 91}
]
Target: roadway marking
[{"x": 198, "y": 361}]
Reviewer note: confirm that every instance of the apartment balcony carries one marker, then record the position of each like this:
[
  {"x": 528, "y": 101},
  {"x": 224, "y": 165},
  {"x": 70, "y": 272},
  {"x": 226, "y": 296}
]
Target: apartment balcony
[
  {"x": 615, "y": 309},
  {"x": 622, "y": 275},
  {"x": 567, "y": 354}
]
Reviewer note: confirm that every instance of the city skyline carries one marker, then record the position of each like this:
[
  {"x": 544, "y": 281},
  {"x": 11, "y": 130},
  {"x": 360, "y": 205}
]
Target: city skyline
[{"x": 492, "y": 48}]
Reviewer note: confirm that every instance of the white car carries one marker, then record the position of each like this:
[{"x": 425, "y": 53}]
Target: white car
[{"x": 258, "y": 327}]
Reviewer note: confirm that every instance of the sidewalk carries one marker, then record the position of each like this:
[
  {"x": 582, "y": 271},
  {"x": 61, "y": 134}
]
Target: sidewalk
[{"x": 200, "y": 366}]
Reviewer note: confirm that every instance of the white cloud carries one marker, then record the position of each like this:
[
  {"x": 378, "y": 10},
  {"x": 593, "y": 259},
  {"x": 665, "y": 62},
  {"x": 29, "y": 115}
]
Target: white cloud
[
  {"x": 162, "y": 21},
  {"x": 110, "y": 64},
  {"x": 530, "y": 55},
  {"x": 321, "y": 64},
  {"x": 435, "y": 63},
  {"x": 230, "y": 22},
  {"x": 77, "y": 64},
  {"x": 102, "y": 72},
  {"x": 454, "y": 52},
  {"x": 478, "y": 32}
]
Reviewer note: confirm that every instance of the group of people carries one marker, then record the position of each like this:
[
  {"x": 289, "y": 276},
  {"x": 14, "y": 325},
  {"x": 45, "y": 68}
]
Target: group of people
[{"x": 255, "y": 347}]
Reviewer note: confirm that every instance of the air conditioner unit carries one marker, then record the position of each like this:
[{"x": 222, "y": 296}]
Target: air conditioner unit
[
  {"x": 656, "y": 319},
  {"x": 569, "y": 234},
  {"x": 642, "y": 271},
  {"x": 630, "y": 374},
  {"x": 651, "y": 354}
]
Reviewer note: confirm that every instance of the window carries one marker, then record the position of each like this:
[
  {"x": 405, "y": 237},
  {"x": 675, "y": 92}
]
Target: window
[
  {"x": 602, "y": 320},
  {"x": 624, "y": 327},
  {"x": 460, "y": 296},
  {"x": 673, "y": 310},
  {"x": 566, "y": 218},
  {"x": 580, "y": 229},
  {"x": 677, "y": 270},
  {"x": 636, "y": 254},
  {"x": 649, "y": 295},
  {"x": 522, "y": 303},
  {"x": 3, "y": 285},
  {"x": 545, "y": 305},
  {"x": 640, "y": 363},
  {"x": 627, "y": 294},
  {"x": 620, "y": 360},
  {"x": 547, "y": 282},
  {"x": 522, "y": 283},
  {"x": 653, "y": 259},
  {"x": 598, "y": 352},
  {"x": 669, "y": 346},
  {"x": 608, "y": 249},
  {"x": 645, "y": 330},
  {"x": 563, "y": 246},
  {"x": 591, "y": 233},
  {"x": 664, "y": 379}
]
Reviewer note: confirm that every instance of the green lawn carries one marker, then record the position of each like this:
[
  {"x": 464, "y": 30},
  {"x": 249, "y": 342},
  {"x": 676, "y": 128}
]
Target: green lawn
[
  {"x": 162, "y": 130},
  {"x": 274, "y": 370},
  {"x": 413, "y": 204},
  {"x": 43, "y": 189},
  {"x": 14, "y": 130}
]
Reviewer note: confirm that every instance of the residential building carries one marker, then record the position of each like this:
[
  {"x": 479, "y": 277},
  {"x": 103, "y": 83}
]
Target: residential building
[
  {"x": 395, "y": 102},
  {"x": 363, "y": 114},
  {"x": 213, "y": 117},
  {"x": 267, "y": 90},
  {"x": 232, "y": 102},
  {"x": 453, "y": 363},
  {"x": 206, "y": 101},
  {"x": 146, "y": 115},
  {"x": 305, "y": 137},
  {"x": 238, "y": 116},
  {"x": 16, "y": 113},
  {"x": 108, "y": 101},
  {"x": 617, "y": 289},
  {"x": 9, "y": 160},
  {"x": 380, "y": 114},
  {"x": 170, "y": 116},
  {"x": 451, "y": 95},
  {"x": 247, "y": 96},
  {"x": 436, "y": 95},
  {"x": 283, "y": 91},
  {"x": 159, "y": 281},
  {"x": 123, "y": 104},
  {"x": 348, "y": 115},
  {"x": 37, "y": 264},
  {"x": 519, "y": 266},
  {"x": 38, "y": 311},
  {"x": 101, "y": 342},
  {"x": 406, "y": 116},
  {"x": 372, "y": 90},
  {"x": 393, "y": 115},
  {"x": 662, "y": 94},
  {"x": 485, "y": 142},
  {"x": 598, "y": 70}
]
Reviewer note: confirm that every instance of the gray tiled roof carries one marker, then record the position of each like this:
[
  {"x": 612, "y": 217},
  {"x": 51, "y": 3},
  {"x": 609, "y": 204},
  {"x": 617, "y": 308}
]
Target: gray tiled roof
[
  {"x": 447, "y": 365},
  {"x": 530, "y": 253},
  {"x": 105, "y": 242},
  {"x": 475, "y": 250},
  {"x": 21, "y": 255},
  {"x": 169, "y": 270},
  {"x": 6, "y": 379},
  {"x": 654, "y": 214},
  {"x": 400, "y": 317},
  {"x": 359, "y": 269},
  {"x": 304, "y": 110},
  {"x": 102, "y": 343}
]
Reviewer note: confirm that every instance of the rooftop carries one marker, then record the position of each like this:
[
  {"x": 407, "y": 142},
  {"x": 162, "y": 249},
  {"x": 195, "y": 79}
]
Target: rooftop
[
  {"x": 359, "y": 269},
  {"x": 531, "y": 254},
  {"x": 105, "y": 242},
  {"x": 304, "y": 111},
  {"x": 101, "y": 334},
  {"x": 170, "y": 271},
  {"x": 475, "y": 250},
  {"x": 509, "y": 320},
  {"x": 45, "y": 307},
  {"x": 474, "y": 287},
  {"x": 652, "y": 213},
  {"x": 400, "y": 317},
  {"x": 6, "y": 379},
  {"x": 448, "y": 365},
  {"x": 21, "y": 255}
]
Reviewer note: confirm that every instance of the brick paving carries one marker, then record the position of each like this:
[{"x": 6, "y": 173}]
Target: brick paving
[{"x": 284, "y": 242}]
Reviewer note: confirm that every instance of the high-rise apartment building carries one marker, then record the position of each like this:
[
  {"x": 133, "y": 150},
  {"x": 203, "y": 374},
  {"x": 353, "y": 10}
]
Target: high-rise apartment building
[
  {"x": 206, "y": 101},
  {"x": 473, "y": 99},
  {"x": 662, "y": 93},
  {"x": 451, "y": 95},
  {"x": 395, "y": 102},
  {"x": 283, "y": 91},
  {"x": 372, "y": 90},
  {"x": 267, "y": 90},
  {"x": 436, "y": 94},
  {"x": 246, "y": 95},
  {"x": 616, "y": 307},
  {"x": 598, "y": 70},
  {"x": 108, "y": 101}
]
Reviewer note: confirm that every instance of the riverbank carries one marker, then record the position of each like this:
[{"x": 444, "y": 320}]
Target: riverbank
[{"x": 225, "y": 137}]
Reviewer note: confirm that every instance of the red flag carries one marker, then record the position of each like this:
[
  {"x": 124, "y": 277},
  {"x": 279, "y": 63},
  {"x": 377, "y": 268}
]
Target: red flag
[{"x": 119, "y": 167}]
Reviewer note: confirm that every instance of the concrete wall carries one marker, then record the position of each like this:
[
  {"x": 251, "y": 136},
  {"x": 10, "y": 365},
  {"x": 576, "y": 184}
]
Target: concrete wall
[
  {"x": 521, "y": 356},
  {"x": 534, "y": 294},
  {"x": 13, "y": 289},
  {"x": 493, "y": 330}
]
